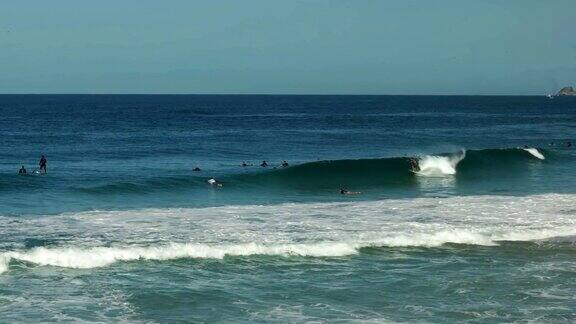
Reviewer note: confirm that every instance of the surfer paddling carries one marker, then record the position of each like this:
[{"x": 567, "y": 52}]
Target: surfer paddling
[
  {"x": 347, "y": 192},
  {"x": 214, "y": 183}
]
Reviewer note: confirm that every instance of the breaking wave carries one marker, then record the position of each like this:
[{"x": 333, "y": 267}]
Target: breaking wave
[
  {"x": 431, "y": 165},
  {"x": 535, "y": 153},
  {"x": 94, "y": 257},
  {"x": 397, "y": 172}
]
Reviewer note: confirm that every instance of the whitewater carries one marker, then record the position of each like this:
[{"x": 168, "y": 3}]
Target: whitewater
[{"x": 97, "y": 239}]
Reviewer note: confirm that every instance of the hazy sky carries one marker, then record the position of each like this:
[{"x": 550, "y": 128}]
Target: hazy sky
[{"x": 268, "y": 46}]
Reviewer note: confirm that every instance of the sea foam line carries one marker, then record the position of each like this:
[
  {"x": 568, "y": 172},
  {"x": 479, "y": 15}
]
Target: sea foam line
[
  {"x": 94, "y": 257},
  {"x": 85, "y": 258}
]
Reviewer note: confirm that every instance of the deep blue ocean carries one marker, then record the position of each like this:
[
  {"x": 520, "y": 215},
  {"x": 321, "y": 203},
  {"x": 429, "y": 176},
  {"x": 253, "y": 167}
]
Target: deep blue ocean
[{"x": 121, "y": 228}]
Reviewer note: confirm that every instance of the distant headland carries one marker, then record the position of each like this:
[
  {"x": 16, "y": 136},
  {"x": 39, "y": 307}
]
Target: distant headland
[{"x": 566, "y": 91}]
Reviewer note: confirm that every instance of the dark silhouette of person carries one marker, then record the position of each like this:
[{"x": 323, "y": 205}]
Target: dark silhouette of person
[
  {"x": 196, "y": 169},
  {"x": 263, "y": 164},
  {"x": 244, "y": 164},
  {"x": 22, "y": 170},
  {"x": 414, "y": 165},
  {"x": 347, "y": 192},
  {"x": 43, "y": 163},
  {"x": 284, "y": 164}
]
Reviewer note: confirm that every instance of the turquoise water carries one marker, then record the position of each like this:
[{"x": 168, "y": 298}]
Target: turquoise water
[{"x": 122, "y": 229}]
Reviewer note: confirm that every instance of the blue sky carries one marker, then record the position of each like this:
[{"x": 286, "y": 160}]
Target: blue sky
[{"x": 287, "y": 47}]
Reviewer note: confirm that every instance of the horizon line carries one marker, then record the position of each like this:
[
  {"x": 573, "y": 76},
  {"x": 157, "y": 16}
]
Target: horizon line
[{"x": 262, "y": 94}]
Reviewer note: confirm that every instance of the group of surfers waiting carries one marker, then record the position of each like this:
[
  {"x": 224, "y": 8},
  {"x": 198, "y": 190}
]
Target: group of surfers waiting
[
  {"x": 41, "y": 169},
  {"x": 264, "y": 164},
  {"x": 215, "y": 183}
]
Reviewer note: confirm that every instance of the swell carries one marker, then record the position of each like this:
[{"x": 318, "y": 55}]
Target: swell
[
  {"x": 141, "y": 186},
  {"x": 320, "y": 175},
  {"x": 396, "y": 172}
]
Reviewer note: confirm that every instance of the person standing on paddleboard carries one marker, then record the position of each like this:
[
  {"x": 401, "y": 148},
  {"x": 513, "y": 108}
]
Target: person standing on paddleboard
[{"x": 42, "y": 163}]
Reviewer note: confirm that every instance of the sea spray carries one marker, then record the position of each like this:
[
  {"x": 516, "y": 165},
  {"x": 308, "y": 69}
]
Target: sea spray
[{"x": 433, "y": 166}]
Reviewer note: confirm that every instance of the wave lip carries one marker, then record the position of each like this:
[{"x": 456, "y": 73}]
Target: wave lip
[{"x": 535, "y": 153}]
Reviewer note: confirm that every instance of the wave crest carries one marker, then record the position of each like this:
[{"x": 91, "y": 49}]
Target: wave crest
[{"x": 94, "y": 257}]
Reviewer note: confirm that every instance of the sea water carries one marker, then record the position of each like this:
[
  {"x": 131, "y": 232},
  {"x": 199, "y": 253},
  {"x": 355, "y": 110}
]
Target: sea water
[{"x": 121, "y": 228}]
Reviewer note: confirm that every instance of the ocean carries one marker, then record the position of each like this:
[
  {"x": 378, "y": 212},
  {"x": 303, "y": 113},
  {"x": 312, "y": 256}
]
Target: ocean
[{"x": 121, "y": 228}]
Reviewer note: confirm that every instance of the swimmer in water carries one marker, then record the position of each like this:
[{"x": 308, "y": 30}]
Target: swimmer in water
[
  {"x": 284, "y": 164},
  {"x": 263, "y": 164},
  {"x": 348, "y": 192},
  {"x": 196, "y": 169},
  {"x": 22, "y": 170},
  {"x": 244, "y": 164},
  {"x": 214, "y": 183}
]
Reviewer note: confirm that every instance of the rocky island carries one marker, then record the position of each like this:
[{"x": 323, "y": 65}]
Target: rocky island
[{"x": 566, "y": 91}]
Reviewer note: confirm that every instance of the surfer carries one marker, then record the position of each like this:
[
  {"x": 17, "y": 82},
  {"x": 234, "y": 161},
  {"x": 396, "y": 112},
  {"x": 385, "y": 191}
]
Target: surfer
[
  {"x": 263, "y": 164},
  {"x": 42, "y": 163},
  {"x": 284, "y": 164},
  {"x": 22, "y": 170},
  {"x": 348, "y": 192},
  {"x": 414, "y": 166},
  {"x": 244, "y": 164},
  {"x": 196, "y": 169},
  {"x": 214, "y": 183}
]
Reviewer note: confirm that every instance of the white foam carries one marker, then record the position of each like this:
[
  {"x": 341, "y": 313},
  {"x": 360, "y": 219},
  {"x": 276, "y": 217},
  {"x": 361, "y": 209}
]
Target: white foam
[
  {"x": 437, "y": 239},
  {"x": 434, "y": 166},
  {"x": 4, "y": 261},
  {"x": 535, "y": 153},
  {"x": 86, "y": 258},
  {"x": 101, "y": 238},
  {"x": 102, "y": 256}
]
